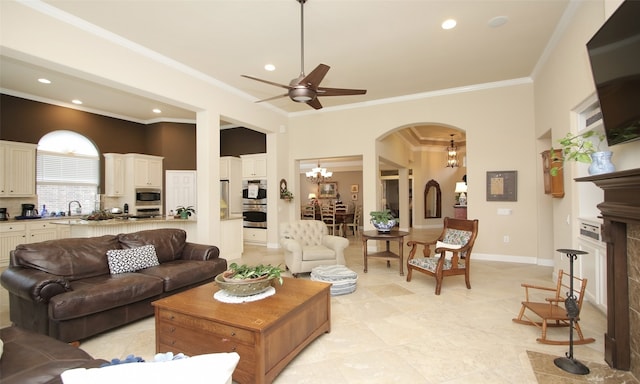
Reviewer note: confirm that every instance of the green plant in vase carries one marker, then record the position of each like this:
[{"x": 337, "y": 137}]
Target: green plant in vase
[
  {"x": 185, "y": 212},
  {"x": 578, "y": 148}
]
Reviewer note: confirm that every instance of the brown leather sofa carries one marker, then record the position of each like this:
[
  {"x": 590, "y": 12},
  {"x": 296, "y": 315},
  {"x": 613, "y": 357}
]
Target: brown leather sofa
[
  {"x": 29, "y": 357},
  {"x": 64, "y": 288}
]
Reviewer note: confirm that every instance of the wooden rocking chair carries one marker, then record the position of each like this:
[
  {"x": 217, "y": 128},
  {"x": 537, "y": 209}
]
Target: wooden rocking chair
[{"x": 552, "y": 312}]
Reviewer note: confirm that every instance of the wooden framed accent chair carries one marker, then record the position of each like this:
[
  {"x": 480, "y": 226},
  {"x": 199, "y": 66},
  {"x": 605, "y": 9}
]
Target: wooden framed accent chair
[
  {"x": 552, "y": 311},
  {"x": 452, "y": 252}
]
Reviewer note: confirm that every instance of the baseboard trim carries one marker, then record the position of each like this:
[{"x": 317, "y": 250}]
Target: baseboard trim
[{"x": 513, "y": 259}]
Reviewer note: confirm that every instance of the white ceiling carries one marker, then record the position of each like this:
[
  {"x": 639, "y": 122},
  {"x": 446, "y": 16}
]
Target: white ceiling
[{"x": 392, "y": 48}]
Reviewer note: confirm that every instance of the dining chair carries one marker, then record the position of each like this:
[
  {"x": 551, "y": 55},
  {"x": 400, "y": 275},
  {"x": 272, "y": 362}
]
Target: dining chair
[
  {"x": 341, "y": 210},
  {"x": 308, "y": 212},
  {"x": 328, "y": 215},
  {"x": 355, "y": 224}
]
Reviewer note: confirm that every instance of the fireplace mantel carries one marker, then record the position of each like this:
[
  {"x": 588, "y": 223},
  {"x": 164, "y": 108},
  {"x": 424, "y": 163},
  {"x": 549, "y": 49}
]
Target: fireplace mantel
[{"x": 621, "y": 207}]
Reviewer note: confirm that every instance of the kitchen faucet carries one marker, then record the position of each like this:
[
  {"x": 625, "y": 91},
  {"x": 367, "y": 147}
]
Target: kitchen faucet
[{"x": 74, "y": 201}]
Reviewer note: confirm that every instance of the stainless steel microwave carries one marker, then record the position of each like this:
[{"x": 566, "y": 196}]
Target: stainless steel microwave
[{"x": 148, "y": 196}]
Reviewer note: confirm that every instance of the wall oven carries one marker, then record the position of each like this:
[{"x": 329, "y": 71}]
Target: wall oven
[
  {"x": 148, "y": 196},
  {"x": 254, "y": 203}
]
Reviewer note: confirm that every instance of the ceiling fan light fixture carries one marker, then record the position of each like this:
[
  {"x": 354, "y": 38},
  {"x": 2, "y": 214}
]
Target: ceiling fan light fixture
[{"x": 302, "y": 95}]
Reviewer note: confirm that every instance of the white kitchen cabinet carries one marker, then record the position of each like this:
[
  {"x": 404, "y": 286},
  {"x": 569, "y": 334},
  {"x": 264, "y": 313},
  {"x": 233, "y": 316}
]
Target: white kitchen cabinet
[
  {"x": 146, "y": 170},
  {"x": 114, "y": 173},
  {"x": 224, "y": 168},
  {"x": 231, "y": 169},
  {"x": 231, "y": 241},
  {"x": 18, "y": 169},
  {"x": 255, "y": 235},
  {"x": 593, "y": 266},
  {"x": 254, "y": 166},
  {"x": 11, "y": 234},
  {"x": 40, "y": 230},
  {"x": 23, "y": 232}
]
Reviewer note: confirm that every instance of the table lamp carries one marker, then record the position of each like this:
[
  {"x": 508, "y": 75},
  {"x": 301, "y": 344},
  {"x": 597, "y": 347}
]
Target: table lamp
[
  {"x": 312, "y": 198},
  {"x": 461, "y": 188}
]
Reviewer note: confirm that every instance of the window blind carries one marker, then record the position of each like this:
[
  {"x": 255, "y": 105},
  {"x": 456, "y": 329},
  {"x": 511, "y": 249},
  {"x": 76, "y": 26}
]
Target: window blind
[{"x": 67, "y": 168}]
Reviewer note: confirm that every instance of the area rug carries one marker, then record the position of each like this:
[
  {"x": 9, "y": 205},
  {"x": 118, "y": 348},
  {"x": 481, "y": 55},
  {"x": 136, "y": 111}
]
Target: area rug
[{"x": 547, "y": 373}]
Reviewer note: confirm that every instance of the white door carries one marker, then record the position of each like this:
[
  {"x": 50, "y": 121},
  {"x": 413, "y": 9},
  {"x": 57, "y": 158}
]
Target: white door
[{"x": 181, "y": 190}]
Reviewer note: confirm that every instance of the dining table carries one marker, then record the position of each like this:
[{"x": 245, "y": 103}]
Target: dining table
[{"x": 341, "y": 218}]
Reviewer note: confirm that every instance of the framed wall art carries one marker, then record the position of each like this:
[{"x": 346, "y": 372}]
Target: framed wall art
[
  {"x": 328, "y": 190},
  {"x": 502, "y": 186},
  {"x": 354, "y": 188}
]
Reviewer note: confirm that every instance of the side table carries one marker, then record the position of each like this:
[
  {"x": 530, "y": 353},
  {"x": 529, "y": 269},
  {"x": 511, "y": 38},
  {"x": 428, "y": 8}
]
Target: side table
[{"x": 387, "y": 254}]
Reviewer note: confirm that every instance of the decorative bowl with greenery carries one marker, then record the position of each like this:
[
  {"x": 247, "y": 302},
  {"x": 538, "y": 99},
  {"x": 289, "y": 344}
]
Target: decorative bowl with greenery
[
  {"x": 383, "y": 220},
  {"x": 577, "y": 148},
  {"x": 244, "y": 280},
  {"x": 238, "y": 273},
  {"x": 185, "y": 212}
]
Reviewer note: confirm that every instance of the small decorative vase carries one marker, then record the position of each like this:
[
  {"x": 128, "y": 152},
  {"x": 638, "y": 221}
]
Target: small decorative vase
[
  {"x": 601, "y": 163},
  {"x": 384, "y": 227},
  {"x": 184, "y": 215}
]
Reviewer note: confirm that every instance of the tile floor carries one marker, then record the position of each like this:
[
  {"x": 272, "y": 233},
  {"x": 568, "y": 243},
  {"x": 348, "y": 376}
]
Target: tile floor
[{"x": 393, "y": 331}]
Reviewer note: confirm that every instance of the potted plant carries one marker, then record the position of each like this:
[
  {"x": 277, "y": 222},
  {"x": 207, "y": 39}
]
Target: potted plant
[
  {"x": 185, "y": 212},
  {"x": 382, "y": 220},
  {"x": 286, "y": 195},
  {"x": 584, "y": 148}
]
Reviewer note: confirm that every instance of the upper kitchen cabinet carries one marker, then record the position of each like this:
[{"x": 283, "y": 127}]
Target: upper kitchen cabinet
[
  {"x": 18, "y": 169},
  {"x": 254, "y": 166},
  {"x": 114, "y": 164},
  {"x": 147, "y": 170}
]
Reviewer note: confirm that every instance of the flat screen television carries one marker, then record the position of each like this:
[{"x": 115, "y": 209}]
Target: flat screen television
[{"x": 614, "y": 53}]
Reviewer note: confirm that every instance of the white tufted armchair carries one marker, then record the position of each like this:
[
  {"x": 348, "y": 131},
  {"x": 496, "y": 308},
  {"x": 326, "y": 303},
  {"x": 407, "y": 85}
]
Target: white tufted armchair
[{"x": 307, "y": 244}]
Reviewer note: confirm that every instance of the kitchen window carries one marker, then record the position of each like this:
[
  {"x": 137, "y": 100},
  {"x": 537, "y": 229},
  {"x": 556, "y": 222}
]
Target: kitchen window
[{"x": 67, "y": 170}]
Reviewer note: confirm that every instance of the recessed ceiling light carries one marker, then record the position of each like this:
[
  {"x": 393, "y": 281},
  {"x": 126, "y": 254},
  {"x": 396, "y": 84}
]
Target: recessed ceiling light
[
  {"x": 498, "y": 21},
  {"x": 156, "y": 110},
  {"x": 76, "y": 101},
  {"x": 44, "y": 81},
  {"x": 449, "y": 24},
  {"x": 270, "y": 67}
]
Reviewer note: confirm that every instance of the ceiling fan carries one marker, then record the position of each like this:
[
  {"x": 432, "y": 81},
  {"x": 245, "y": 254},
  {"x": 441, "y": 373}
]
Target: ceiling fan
[{"x": 306, "y": 88}]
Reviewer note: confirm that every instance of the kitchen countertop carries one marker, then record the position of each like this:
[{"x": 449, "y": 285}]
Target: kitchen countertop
[{"x": 80, "y": 221}]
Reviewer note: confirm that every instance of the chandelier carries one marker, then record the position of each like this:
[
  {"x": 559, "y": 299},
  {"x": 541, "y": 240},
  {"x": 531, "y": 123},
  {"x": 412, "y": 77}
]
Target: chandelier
[
  {"x": 452, "y": 154},
  {"x": 318, "y": 175}
]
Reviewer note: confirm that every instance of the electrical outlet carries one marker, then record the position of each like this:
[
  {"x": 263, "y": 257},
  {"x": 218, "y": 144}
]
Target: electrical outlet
[{"x": 505, "y": 238}]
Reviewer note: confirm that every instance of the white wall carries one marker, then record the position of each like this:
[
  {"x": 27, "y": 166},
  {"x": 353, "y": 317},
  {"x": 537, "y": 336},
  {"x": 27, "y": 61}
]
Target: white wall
[
  {"x": 499, "y": 127},
  {"x": 562, "y": 84}
]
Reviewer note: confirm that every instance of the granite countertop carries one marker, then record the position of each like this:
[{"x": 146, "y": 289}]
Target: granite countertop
[{"x": 80, "y": 221}]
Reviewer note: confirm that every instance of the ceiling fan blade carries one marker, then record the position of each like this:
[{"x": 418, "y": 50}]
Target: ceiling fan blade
[
  {"x": 316, "y": 76},
  {"x": 273, "y": 98},
  {"x": 267, "y": 82},
  {"x": 315, "y": 104},
  {"x": 340, "y": 91}
]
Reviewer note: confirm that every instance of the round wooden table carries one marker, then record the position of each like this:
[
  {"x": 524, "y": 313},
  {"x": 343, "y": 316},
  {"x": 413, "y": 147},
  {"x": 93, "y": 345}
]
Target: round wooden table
[{"x": 387, "y": 254}]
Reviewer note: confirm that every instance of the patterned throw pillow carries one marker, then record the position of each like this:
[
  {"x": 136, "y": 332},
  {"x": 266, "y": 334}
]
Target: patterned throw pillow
[{"x": 131, "y": 260}]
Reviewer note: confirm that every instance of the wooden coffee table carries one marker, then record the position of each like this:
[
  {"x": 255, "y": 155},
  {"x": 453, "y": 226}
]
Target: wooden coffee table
[{"x": 267, "y": 334}]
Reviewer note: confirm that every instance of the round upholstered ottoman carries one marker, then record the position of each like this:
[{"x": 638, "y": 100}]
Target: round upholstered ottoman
[{"x": 342, "y": 279}]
